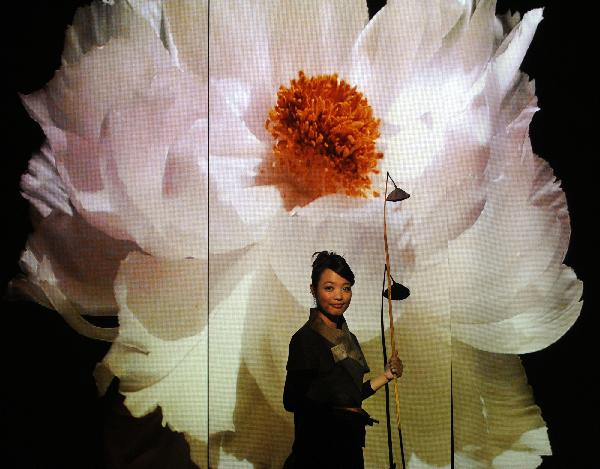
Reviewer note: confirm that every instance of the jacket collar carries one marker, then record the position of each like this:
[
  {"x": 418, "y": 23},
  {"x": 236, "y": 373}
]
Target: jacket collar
[{"x": 343, "y": 344}]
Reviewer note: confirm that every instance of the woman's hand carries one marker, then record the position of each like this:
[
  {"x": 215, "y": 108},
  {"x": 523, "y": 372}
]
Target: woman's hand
[{"x": 394, "y": 367}]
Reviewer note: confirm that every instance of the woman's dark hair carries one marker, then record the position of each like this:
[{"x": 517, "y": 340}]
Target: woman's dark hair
[{"x": 330, "y": 260}]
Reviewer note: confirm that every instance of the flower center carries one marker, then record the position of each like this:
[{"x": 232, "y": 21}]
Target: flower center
[{"x": 325, "y": 135}]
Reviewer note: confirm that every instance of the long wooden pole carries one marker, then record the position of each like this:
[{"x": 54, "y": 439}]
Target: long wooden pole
[
  {"x": 391, "y": 317},
  {"x": 389, "y": 286}
]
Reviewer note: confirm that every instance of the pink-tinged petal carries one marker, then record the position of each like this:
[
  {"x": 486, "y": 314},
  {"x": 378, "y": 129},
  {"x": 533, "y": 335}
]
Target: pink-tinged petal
[
  {"x": 124, "y": 182},
  {"x": 112, "y": 162},
  {"x": 86, "y": 85},
  {"x": 240, "y": 65},
  {"x": 139, "y": 154},
  {"x": 82, "y": 261},
  {"x": 41, "y": 185}
]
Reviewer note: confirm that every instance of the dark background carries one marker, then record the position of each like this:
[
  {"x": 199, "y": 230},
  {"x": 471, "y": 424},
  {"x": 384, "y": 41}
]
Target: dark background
[{"x": 48, "y": 404}]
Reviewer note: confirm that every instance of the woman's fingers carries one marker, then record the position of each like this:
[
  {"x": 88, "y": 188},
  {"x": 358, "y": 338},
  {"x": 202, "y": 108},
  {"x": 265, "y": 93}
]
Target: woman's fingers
[{"x": 395, "y": 364}]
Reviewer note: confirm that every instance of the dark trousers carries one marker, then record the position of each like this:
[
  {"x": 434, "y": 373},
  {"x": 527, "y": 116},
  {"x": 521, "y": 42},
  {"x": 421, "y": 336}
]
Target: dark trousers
[{"x": 332, "y": 442}]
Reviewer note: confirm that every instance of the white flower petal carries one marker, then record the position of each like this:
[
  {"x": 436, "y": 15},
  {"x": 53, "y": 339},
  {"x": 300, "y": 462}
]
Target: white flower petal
[
  {"x": 393, "y": 48},
  {"x": 86, "y": 84},
  {"x": 227, "y": 334},
  {"x": 150, "y": 10},
  {"x": 469, "y": 45},
  {"x": 240, "y": 45},
  {"x": 167, "y": 297},
  {"x": 231, "y": 126},
  {"x": 184, "y": 406},
  {"x": 160, "y": 355},
  {"x": 271, "y": 319},
  {"x": 186, "y": 24},
  {"x": 239, "y": 210},
  {"x": 494, "y": 411},
  {"x": 414, "y": 462},
  {"x": 264, "y": 445},
  {"x": 516, "y": 459},
  {"x": 82, "y": 260},
  {"x": 526, "y": 299},
  {"x": 313, "y": 36},
  {"x": 511, "y": 52},
  {"x": 229, "y": 461},
  {"x": 42, "y": 186},
  {"x": 142, "y": 172},
  {"x": 46, "y": 286}
]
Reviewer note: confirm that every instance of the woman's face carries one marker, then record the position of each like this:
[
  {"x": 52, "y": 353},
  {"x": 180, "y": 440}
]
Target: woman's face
[{"x": 333, "y": 292}]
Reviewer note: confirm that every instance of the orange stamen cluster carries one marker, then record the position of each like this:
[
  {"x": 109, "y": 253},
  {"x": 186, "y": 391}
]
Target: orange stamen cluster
[{"x": 325, "y": 135}]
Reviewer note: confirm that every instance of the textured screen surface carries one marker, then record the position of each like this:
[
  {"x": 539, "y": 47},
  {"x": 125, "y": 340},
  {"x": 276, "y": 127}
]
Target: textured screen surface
[{"x": 193, "y": 156}]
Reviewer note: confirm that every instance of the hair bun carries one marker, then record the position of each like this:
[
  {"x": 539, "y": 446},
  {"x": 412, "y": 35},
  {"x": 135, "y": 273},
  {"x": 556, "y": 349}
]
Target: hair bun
[
  {"x": 330, "y": 260},
  {"x": 321, "y": 256}
]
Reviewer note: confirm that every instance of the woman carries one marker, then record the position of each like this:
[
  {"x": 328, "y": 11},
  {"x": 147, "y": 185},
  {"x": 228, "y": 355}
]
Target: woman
[{"x": 324, "y": 383}]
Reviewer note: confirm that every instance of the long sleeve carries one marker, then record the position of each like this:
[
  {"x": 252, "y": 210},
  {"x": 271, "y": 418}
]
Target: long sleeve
[
  {"x": 301, "y": 372},
  {"x": 367, "y": 390}
]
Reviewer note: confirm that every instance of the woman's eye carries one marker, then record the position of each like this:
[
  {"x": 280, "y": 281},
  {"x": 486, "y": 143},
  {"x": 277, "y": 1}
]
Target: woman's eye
[{"x": 347, "y": 289}]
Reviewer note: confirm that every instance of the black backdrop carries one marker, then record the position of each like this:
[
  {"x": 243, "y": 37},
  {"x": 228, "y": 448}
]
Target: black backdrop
[{"x": 50, "y": 413}]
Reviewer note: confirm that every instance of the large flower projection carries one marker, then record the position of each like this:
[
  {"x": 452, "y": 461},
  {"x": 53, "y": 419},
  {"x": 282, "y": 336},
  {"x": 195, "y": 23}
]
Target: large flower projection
[{"x": 186, "y": 196}]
